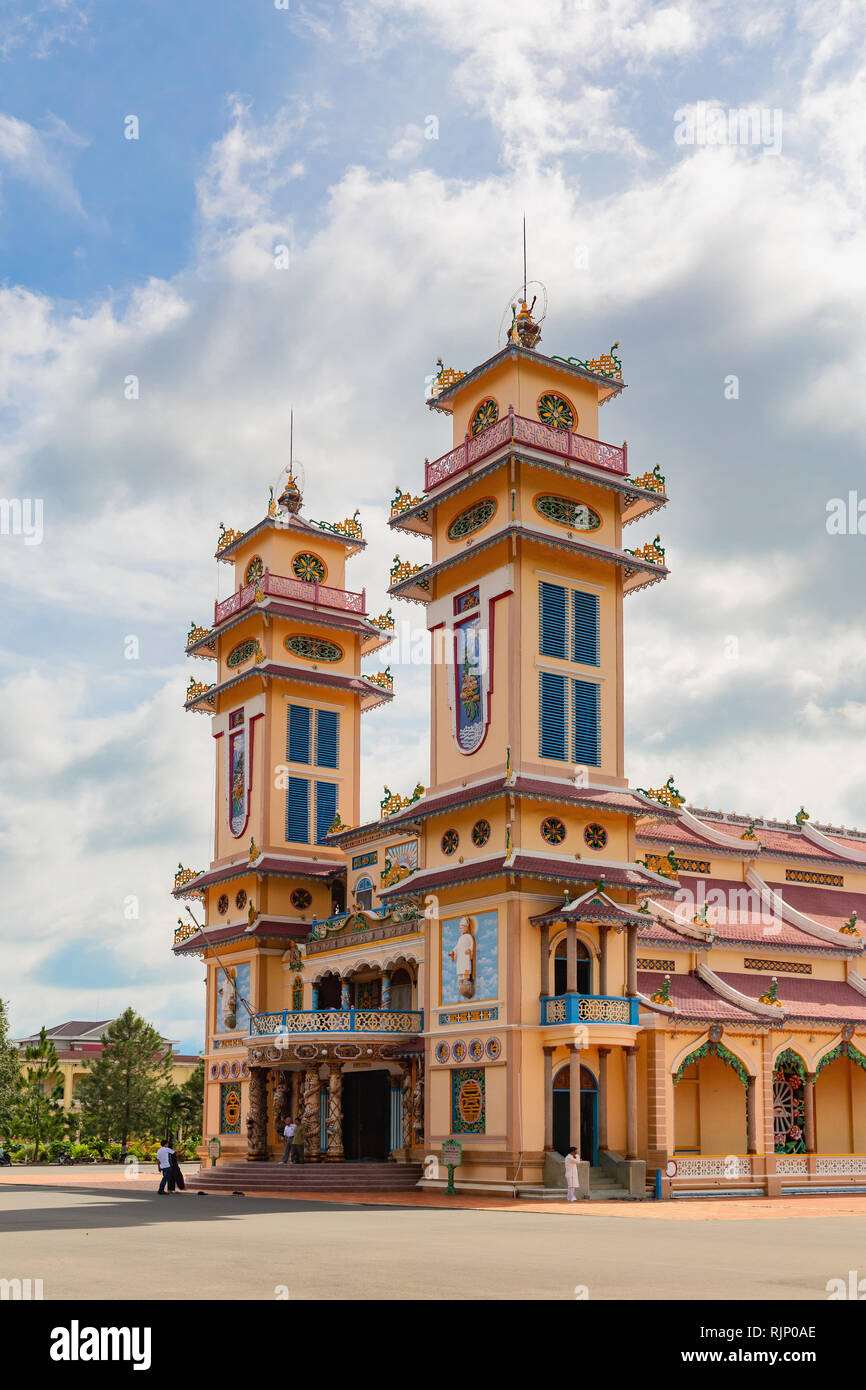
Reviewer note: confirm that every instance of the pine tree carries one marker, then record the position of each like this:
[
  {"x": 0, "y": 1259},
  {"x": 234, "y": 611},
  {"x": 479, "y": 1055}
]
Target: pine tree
[
  {"x": 37, "y": 1109},
  {"x": 121, "y": 1094}
]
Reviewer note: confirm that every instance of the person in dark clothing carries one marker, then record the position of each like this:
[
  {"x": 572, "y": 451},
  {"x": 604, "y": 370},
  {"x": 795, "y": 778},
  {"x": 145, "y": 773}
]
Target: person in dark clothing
[{"x": 175, "y": 1175}]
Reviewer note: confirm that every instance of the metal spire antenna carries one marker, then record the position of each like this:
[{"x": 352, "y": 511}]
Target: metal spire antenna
[
  {"x": 524, "y": 258},
  {"x": 291, "y": 438}
]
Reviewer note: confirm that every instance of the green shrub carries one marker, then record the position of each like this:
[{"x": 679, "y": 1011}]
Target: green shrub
[{"x": 82, "y": 1153}]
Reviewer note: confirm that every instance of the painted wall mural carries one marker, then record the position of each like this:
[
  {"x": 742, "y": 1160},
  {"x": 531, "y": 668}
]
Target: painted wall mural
[
  {"x": 238, "y": 797},
  {"x": 471, "y": 694},
  {"x": 232, "y": 1014},
  {"x": 470, "y": 957}
]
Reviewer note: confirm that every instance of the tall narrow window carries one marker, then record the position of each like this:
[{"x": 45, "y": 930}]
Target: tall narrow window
[
  {"x": 584, "y": 629},
  {"x": 298, "y": 810},
  {"x": 585, "y": 728},
  {"x": 298, "y": 736},
  {"x": 326, "y": 808},
  {"x": 553, "y": 619},
  {"x": 552, "y": 715},
  {"x": 327, "y": 738}
]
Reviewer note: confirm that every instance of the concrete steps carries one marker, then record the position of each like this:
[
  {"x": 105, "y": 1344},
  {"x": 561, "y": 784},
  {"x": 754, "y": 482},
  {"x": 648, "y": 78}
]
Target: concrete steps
[
  {"x": 604, "y": 1188},
  {"x": 308, "y": 1178}
]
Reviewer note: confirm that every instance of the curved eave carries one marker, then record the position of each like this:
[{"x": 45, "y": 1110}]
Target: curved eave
[
  {"x": 204, "y": 648},
  {"x": 638, "y": 573},
  {"x": 292, "y": 869},
  {"x": 306, "y": 528},
  {"x": 268, "y": 670},
  {"x": 608, "y": 387}
]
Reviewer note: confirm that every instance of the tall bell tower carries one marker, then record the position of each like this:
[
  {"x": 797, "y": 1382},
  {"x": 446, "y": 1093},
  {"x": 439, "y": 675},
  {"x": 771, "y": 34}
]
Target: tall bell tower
[
  {"x": 285, "y": 710},
  {"x": 528, "y": 801}
]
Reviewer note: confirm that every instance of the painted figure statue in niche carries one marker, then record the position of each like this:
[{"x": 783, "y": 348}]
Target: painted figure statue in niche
[{"x": 463, "y": 957}]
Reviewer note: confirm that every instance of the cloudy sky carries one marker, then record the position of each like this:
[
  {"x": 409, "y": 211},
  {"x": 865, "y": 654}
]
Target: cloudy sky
[{"x": 393, "y": 146}]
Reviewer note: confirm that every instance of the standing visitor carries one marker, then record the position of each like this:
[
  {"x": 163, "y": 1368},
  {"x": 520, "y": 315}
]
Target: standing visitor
[
  {"x": 288, "y": 1134},
  {"x": 163, "y": 1163},
  {"x": 298, "y": 1143},
  {"x": 571, "y": 1173}
]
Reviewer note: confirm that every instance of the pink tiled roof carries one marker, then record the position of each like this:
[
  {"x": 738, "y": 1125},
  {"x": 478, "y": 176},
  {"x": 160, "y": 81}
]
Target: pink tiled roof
[
  {"x": 804, "y": 996},
  {"x": 675, "y": 833},
  {"x": 830, "y": 906},
  {"x": 265, "y": 926},
  {"x": 692, "y": 998},
  {"x": 858, "y": 845},
  {"x": 269, "y": 864},
  {"x": 747, "y": 921},
  {"x": 657, "y": 932}
]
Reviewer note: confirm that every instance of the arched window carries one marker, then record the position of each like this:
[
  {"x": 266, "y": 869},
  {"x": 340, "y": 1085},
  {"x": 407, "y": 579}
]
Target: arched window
[
  {"x": 364, "y": 893},
  {"x": 401, "y": 990},
  {"x": 560, "y": 971}
]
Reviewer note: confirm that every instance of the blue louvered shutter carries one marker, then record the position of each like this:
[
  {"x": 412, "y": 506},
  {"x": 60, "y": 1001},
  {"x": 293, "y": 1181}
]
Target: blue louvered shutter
[
  {"x": 298, "y": 810},
  {"x": 585, "y": 714},
  {"x": 298, "y": 740},
  {"x": 326, "y": 808},
  {"x": 552, "y": 716},
  {"x": 552, "y": 620},
  {"x": 584, "y": 630},
  {"x": 327, "y": 737}
]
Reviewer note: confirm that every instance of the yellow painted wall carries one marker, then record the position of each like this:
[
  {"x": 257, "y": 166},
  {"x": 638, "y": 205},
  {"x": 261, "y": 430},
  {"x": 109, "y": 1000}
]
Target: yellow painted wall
[
  {"x": 722, "y": 1100},
  {"x": 833, "y": 1108},
  {"x": 520, "y": 383}
]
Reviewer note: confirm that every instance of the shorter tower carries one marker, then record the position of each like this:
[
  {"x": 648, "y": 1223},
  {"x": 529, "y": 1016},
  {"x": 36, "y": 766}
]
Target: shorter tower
[{"x": 285, "y": 709}]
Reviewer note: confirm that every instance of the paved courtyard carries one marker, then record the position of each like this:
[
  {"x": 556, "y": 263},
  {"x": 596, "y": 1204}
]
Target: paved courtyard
[{"x": 93, "y": 1230}]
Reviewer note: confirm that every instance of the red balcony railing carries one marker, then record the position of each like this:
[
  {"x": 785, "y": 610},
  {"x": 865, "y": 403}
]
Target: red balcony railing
[
  {"x": 280, "y": 586},
  {"x": 521, "y": 430}
]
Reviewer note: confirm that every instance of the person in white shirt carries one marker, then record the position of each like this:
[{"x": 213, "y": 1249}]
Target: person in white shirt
[
  {"x": 288, "y": 1134},
  {"x": 163, "y": 1163},
  {"x": 571, "y": 1173}
]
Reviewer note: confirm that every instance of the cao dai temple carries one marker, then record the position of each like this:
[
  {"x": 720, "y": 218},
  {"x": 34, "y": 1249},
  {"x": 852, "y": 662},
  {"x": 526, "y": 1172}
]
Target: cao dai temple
[{"x": 528, "y": 953}]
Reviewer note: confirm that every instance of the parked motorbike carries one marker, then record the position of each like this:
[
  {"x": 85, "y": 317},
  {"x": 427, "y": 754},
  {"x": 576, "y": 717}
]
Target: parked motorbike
[{"x": 5, "y": 1159}]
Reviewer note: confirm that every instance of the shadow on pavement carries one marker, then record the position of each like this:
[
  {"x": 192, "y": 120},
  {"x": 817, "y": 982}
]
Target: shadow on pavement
[{"x": 138, "y": 1207}]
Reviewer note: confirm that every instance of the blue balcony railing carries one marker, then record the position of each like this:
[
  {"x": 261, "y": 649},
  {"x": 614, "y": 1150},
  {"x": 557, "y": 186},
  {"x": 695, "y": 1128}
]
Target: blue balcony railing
[
  {"x": 588, "y": 1008},
  {"x": 315, "y": 1022}
]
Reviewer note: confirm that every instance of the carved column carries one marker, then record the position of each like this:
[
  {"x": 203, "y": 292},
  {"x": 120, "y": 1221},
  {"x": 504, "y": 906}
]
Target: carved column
[
  {"x": 631, "y": 1102},
  {"x": 344, "y": 993},
  {"x": 314, "y": 997},
  {"x": 548, "y": 1098},
  {"x": 282, "y": 1101},
  {"x": 574, "y": 1097},
  {"x": 395, "y": 1114},
  {"x": 571, "y": 958},
  {"x": 603, "y": 1054},
  {"x": 335, "y": 1113},
  {"x": 752, "y": 1116},
  {"x": 631, "y": 959},
  {"x": 386, "y": 989},
  {"x": 407, "y": 1108},
  {"x": 544, "y": 947},
  {"x": 602, "y": 958},
  {"x": 312, "y": 1127},
  {"x": 809, "y": 1112},
  {"x": 257, "y": 1116},
  {"x": 418, "y": 1105}
]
